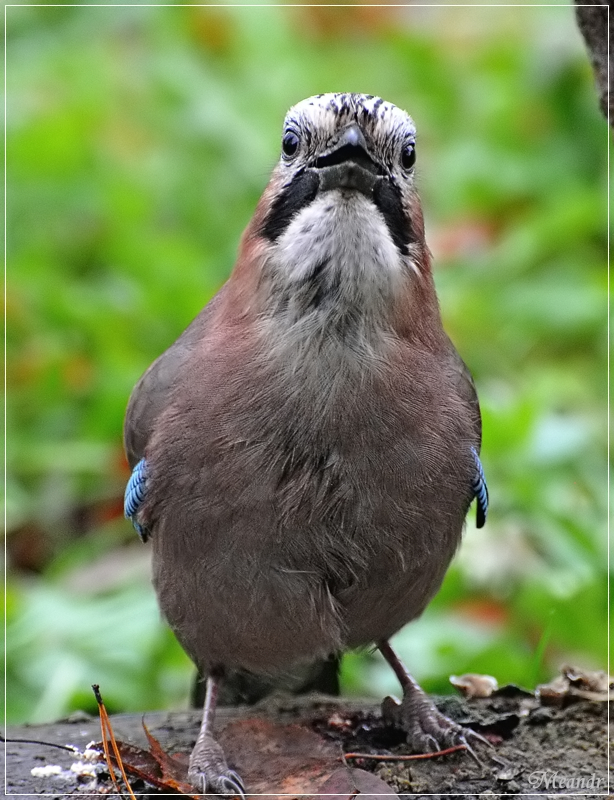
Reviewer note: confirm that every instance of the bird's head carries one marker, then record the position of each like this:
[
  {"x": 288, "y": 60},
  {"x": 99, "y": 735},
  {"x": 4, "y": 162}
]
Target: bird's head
[
  {"x": 357, "y": 145},
  {"x": 340, "y": 226}
]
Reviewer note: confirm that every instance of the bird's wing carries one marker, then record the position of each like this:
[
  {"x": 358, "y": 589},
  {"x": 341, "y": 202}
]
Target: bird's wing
[
  {"x": 151, "y": 394},
  {"x": 466, "y": 389},
  {"x": 148, "y": 399},
  {"x": 480, "y": 491},
  {"x": 134, "y": 495}
]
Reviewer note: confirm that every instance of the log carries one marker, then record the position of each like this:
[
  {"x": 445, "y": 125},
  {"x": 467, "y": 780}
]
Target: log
[{"x": 294, "y": 746}]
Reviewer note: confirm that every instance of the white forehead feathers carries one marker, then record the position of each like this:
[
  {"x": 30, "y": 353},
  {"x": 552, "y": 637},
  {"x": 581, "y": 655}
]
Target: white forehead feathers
[{"x": 328, "y": 112}]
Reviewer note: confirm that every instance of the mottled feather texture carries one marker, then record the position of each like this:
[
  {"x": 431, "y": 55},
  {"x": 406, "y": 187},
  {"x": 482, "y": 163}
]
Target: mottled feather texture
[{"x": 310, "y": 438}]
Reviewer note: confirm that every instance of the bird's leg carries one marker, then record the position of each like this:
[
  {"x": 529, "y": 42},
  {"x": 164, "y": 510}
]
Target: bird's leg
[
  {"x": 208, "y": 771},
  {"x": 427, "y": 729}
]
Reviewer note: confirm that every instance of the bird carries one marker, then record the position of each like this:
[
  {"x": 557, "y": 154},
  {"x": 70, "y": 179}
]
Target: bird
[{"x": 305, "y": 454}]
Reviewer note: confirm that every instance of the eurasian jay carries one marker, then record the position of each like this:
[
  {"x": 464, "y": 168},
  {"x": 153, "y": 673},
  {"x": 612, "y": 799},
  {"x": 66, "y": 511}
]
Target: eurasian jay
[{"x": 305, "y": 453}]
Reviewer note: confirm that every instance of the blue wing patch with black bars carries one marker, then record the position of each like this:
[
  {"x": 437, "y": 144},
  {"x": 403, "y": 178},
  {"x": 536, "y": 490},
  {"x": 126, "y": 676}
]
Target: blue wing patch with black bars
[
  {"x": 480, "y": 490},
  {"x": 134, "y": 496}
]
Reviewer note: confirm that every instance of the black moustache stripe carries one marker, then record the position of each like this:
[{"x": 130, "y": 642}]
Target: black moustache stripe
[
  {"x": 301, "y": 190},
  {"x": 387, "y": 198}
]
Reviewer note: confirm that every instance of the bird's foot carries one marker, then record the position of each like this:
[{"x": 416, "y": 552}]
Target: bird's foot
[
  {"x": 427, "y": 729},
  {"x": 209, "y": 773}
]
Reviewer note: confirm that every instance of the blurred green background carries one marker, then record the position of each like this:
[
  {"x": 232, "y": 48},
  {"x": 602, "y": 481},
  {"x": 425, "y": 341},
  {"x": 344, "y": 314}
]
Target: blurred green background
[{"x": 139, "y": 140}]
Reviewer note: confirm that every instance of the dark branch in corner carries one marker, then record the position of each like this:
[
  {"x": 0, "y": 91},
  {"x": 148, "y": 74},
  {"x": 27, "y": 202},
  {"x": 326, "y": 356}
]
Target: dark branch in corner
[{"x": 592, "y": 17}]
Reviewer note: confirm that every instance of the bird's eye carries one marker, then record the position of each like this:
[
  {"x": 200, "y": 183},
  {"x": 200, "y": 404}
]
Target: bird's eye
[
  {"x": 408, "y": 156},
  {"x": 290, "y": 143}
]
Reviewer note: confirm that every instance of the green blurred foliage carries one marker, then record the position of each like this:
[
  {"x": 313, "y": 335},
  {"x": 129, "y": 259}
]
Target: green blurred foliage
[{"x": 138, "y": 142}]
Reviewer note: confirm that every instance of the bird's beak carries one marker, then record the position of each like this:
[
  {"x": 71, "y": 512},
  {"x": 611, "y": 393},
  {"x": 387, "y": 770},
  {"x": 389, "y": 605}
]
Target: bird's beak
[{"x": 347, "y": 164}]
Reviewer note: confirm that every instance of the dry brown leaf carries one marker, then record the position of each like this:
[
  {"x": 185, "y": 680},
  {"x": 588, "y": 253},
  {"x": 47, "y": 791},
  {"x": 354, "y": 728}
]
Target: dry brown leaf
[
  {"x": 154, "y": 766},
  {"x": 347, "y": 782},
  {"x": 276, "y": 759},
  {"x": 576, "y": 684},
  {"x": 473, "y": 685}
]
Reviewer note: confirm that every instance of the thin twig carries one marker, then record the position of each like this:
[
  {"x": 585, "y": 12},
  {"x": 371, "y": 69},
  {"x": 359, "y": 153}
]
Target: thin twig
[
  {"x": 69, "y": 747},
  {"x": 103, "y": 728},
  {"x": 415, "y": 757},
  {"x": 105, "y": 722}
]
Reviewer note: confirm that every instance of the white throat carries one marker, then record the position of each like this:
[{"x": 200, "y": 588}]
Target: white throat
[{"x": 335, "y": 270}]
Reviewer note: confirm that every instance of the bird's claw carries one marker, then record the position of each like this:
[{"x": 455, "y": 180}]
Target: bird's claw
[
  {"x": 232, "y": 784},
  {"x": 207, "y": 781},
  {"x": 210, "y": 774},
  {"x": 427, "y": 729}
]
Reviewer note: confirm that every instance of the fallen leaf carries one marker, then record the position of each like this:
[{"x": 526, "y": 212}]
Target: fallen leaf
[
  {"x": 576, "y": 684},
  {"x": 174, "y": 768},
  {"x": 474, "y": 685},
  {"x": 347, "y": 782},
  {"x": 278, "y": 759},
  {"x": 154, "y": 766}
]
